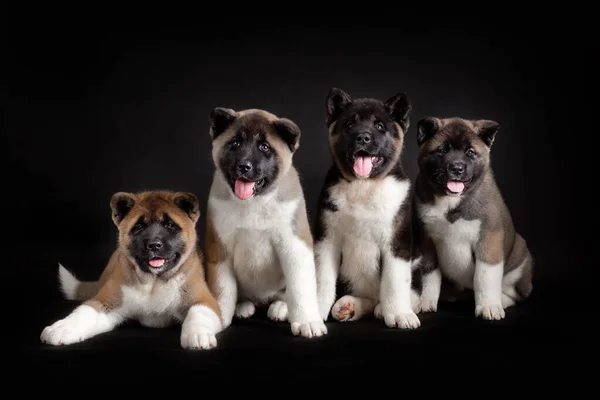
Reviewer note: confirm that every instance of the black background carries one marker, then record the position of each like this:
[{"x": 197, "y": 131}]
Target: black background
[{"x": 94, "y": 111}]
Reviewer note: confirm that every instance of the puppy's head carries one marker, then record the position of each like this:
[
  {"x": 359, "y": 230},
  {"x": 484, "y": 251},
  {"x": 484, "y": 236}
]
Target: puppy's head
[
  {"x": 157, "y": 229},
  {"x": 252, "y": 148},
  {"x": 366, "y": 136},
  {"x": 454, "y": 153}
]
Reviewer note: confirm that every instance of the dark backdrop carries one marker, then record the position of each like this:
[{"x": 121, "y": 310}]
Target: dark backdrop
[{"x": 95, "y": 112}]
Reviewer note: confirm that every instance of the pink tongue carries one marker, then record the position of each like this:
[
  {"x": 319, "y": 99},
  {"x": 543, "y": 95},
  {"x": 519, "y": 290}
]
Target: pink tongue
[
  {"x": 363, "y": 165},
  {"x": 157, "y": 262},
  {"x": 455, "y": 186},
  {"x": 243, "y": 189}
]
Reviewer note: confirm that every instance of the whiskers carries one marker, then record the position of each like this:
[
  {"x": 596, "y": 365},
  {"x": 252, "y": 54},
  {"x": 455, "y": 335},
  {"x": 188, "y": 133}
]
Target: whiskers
[{"x": 439, "y": 175}]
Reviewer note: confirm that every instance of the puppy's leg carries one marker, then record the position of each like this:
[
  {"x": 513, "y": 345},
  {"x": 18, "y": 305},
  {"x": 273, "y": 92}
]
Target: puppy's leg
[
  {"x": 245, "y": 309},
  {"x": 224, "y": 287},
  {"x": 327, "y": 260},
  {"x": 517, "y": 283},
  {"x": 396, "y": 298},
  {"x": 298, "y": 264},
  {"x": 351, "y": 308},
  {"x": 430, "y": 293},
  {"x": 100, "y": 314},
  {"x": 278, "y": 310},
  {"x": 489, "y": 271}
]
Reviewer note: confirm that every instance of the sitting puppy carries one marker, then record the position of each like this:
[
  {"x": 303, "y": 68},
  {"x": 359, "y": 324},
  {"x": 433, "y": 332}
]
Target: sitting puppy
[
  {"x": 258, "y": 241},
  {"x": 363, "y": 228},
  {"x": 155, "y": 275},
  {"x": 467, "y": 230}
]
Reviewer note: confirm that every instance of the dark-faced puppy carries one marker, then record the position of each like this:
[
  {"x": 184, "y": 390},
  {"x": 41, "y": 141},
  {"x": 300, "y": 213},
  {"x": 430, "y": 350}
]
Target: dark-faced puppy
[
  {"x": 467, "y": 229},
  {"x": 155, "y": 276},
  {"x": 363, "y": 226},
  {"x": 258, "y": 241}
]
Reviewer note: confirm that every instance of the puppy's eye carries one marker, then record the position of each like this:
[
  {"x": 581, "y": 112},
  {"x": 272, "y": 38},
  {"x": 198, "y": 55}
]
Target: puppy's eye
[
  {"x": 379, "y": 126},
  {"x": 169, "y": 224},
  {"x": 443, "y": 149},
  {"x": 234, "y": 143},
  {"x": 137, "y": 227},
  {"x": 471, "y": 152},
  {"x": 264, "y": 147},
  {"x": 349, "y": 124}
]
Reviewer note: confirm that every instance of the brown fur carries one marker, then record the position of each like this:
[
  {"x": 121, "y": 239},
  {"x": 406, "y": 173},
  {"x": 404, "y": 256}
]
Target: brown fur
[
  {"x": 499, "y": 240},
  {"x": 121, "y": 269}
]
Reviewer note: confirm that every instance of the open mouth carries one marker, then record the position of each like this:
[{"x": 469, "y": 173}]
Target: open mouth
[
  {"x": 455, "y": 187},
  {"x": 364, "y": 162},
  {"x": 244, "y": 188},
  {"x": 156, "y": 262}
]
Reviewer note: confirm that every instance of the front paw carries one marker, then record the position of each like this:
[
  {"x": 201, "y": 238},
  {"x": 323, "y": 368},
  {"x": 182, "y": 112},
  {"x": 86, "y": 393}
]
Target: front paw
[
  {"x": 408, "y": 320},
  {"x": 309, "y": 329},
  {"x": 198, "y": 339},
  {"x": 63, "y": 332},
  {"x": 245, "y": 310},
  {"x": 490, "y": 313},
  {"x": 428, "y": 305},
  {"x": 278, "y": 311}
]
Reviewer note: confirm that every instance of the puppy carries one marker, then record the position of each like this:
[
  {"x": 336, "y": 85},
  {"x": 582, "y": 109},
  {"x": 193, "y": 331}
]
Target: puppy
[
  {"x": 258, "y": 241},
  {"x": 468, "y": 235},
  {"x": 363, "y": 227},
  {"x": 155, "y": 275}
]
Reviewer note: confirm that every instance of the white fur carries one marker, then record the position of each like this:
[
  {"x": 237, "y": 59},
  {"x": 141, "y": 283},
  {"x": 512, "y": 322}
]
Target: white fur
[
  {"x": 362, "y": 229},
  {"x": 455, "y": 245},
  {"x": 266, "y": 258},
  {"x": 199, "y": 328},
  {"x": 81, "y": 324},
  {"x": 487, "y": 284},
  {"x": 68, "y": 282},
  {"x": 152, "y": 302}
]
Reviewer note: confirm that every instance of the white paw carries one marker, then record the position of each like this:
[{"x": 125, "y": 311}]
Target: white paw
[
  {"x": 278, "y": 311},
  {"x": 492, "y": 312},
  {"x": 407, "y": 320},
  {"x": 63, "y": 332},
  {"x": 428, "y": 305},
  {"x": 309, "y": 329},
  {"x": 343, "y": 309},
  {"x": 377, "y": 312},
  {"x": 245, "y": 309},
  {"x": 198, "y": 339}
]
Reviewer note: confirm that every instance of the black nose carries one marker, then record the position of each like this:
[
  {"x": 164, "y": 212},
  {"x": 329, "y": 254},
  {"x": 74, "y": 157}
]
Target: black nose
[
  {"x": 363, "y": 138},
  {"x": 244, "y": 166},
  {"x": 457, "y": 167},
  {"x": 154, "y": 244}
]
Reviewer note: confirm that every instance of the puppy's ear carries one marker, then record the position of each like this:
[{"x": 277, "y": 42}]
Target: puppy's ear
[
  {"x": 337, "y": 100},
  {"x": 289, "y": 132},
  {"x": 486, "y": 129},
  {"x": 120, "y": 204},
  {"x": 426, "y": 128},
  {"x": 220, "y": 119},
  {"x": 188, "y": 203},
  {"x": 399, "y": 107}
]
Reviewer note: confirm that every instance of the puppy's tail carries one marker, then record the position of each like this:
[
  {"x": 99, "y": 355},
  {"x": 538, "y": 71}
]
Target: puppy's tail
[{"x": 74, "y": 289}]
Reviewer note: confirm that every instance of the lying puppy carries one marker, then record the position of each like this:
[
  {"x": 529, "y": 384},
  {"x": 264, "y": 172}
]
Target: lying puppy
[
  {"x": 258, "y": 241},
  {"x": 467, "y": 228},
  {"x": 363, "y": 226},
  {"x": 155, "y": 276}
]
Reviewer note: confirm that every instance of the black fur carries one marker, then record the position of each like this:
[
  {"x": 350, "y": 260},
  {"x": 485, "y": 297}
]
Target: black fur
[
  {"x": 456, "y": 158},
  {"x": 220, "y": 119},
  {"x": 156, "y": 239},
  {"x": 370, "y": 119},
  {"x": 121, "y": 204}
]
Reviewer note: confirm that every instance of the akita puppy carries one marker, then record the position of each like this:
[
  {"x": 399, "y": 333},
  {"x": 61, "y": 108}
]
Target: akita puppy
[
  {"x": 155, "y": 276},
  {"x": 467, "y": 232},
  {"x": 363, "y": 228},
  {"x": 259, "y": 246}
]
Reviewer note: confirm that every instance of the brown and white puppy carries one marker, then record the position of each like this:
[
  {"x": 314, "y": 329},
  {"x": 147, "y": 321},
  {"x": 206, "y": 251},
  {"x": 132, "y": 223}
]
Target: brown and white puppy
[
  {"x": 155, "y": 275},
  {"x": 363, "y": 230},
  {"x": 467, "y": 233},
  {"x": 259, "y": 245}
]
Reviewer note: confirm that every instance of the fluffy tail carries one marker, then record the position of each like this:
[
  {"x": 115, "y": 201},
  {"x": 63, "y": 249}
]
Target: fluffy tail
[{"x": 74, "y": 289}]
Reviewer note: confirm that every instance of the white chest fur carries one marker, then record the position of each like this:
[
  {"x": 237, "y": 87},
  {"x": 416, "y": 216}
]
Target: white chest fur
[
  {"x": 454, "y": 242},
  {"x": 155, "y": 303},
  {"x": 251, "y": 230},
  {"x": 362, "y": 228}
]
